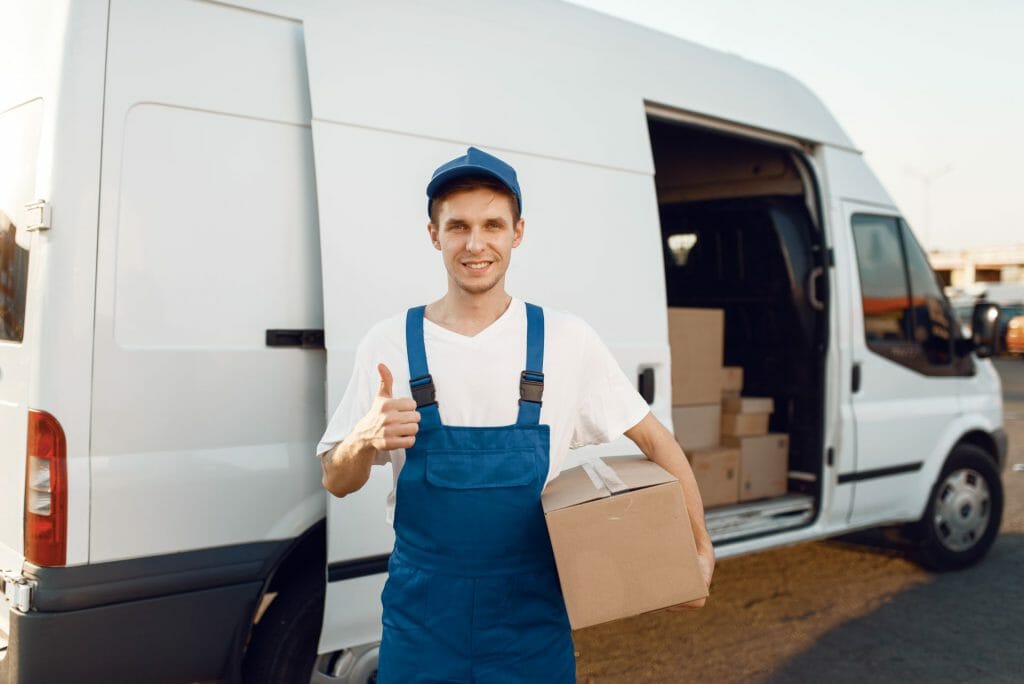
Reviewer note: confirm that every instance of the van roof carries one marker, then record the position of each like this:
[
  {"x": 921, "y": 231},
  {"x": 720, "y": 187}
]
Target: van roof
[{"x": 537, "y": 77}]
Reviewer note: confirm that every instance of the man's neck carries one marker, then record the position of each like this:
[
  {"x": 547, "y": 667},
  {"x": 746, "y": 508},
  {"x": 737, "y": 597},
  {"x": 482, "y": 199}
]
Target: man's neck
[{"x": 468, "y": 314}]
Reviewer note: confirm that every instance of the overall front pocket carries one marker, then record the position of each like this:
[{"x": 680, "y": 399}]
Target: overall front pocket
[{"x": 481, "y": 468}]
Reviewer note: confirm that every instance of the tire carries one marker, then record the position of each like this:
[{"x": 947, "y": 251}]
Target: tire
[
  {"x": 282, "y": 649},
  {"x": 965, "y": 509}
]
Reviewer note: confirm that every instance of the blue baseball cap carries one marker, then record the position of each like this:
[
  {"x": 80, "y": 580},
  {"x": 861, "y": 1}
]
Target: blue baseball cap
[{"x": 474, "y": 163}]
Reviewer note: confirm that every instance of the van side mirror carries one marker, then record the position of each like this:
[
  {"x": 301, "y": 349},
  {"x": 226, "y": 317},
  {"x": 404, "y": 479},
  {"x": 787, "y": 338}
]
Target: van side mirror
[{"x": 984, "y": 328}]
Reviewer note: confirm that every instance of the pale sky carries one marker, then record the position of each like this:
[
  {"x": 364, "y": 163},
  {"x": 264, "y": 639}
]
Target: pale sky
[{"x": 923, "y": 87}]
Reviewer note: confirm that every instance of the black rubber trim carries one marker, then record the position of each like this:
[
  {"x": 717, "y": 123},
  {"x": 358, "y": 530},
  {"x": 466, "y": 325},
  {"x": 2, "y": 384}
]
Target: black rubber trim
[
  {"x": 844, "y": 478},
  {"x": 1002, "y": 447},
  {"x": 360, "y": 567},
  {"x": 98, "y": 584}
]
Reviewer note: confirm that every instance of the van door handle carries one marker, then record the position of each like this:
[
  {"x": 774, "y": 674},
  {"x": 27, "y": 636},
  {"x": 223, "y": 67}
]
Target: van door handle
[
  {"x": 645, "y": 385},
  {"x": 855, "y": 379},
  {"x": 304, "y": 339},
  {"x": 812, "y": 288}
]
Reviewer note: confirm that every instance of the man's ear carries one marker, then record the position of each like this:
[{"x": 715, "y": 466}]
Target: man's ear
[
  {"x": 517, "y": 232},
  {"x": 432, "y": 231}
]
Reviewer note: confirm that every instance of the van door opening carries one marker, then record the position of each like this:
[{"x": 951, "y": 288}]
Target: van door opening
[{"x": 740, "y": 233}]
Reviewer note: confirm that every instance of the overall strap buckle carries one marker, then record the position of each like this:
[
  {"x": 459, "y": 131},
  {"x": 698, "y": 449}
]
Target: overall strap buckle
[
  {"x": 531, "y": 386},
  {"x": 422, "y": 388}
]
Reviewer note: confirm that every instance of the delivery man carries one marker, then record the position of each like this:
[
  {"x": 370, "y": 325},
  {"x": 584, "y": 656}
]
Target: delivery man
[{"x": 480, "y": 396}]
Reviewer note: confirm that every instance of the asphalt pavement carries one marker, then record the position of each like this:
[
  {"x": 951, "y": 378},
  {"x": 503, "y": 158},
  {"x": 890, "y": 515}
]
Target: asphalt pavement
[{"x": 847, "y": 610}]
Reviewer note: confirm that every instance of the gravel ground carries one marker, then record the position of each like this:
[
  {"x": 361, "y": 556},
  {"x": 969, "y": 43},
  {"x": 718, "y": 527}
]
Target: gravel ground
[{"x": 853, "y": 609}]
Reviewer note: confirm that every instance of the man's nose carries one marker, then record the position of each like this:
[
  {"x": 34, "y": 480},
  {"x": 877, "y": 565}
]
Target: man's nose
[{"x": 476, "y": 240}]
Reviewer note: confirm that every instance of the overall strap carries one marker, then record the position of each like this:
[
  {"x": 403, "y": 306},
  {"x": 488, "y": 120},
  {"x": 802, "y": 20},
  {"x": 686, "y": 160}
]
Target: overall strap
[
  {"x": 531, "y": 381},
  {"x": 420, "y": 383}
]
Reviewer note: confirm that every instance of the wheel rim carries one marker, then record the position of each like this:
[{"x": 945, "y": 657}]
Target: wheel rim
[{"x": 962, "y": 509}]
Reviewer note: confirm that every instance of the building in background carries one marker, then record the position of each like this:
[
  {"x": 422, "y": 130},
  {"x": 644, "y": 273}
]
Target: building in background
[{"x": 965, "y": 268}]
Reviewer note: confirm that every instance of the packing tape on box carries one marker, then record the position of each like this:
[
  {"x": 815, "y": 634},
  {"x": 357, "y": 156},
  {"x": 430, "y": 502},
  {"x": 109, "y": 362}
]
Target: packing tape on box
[{"x": 603, "y": 476}]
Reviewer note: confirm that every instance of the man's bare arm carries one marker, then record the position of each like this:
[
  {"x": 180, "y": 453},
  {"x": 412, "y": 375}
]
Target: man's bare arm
[
  {"x": 661, "y": 447},
  {"x": 389, "y": 424}
]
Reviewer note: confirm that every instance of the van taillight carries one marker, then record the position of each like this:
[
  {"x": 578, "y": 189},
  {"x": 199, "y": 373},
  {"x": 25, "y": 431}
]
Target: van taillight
[{"x": 46, "y": 491}]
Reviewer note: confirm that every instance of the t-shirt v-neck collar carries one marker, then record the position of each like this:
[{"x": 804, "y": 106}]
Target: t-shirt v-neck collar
[{"x": 500, "y": 322}]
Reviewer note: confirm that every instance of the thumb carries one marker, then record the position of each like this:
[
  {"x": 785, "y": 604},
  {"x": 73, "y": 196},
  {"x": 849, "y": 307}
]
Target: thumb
[{"x": 385, "y": 381}]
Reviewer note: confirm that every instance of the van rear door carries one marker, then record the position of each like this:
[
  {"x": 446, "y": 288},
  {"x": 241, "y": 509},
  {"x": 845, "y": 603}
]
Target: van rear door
[{"x": 19, "y": 141}]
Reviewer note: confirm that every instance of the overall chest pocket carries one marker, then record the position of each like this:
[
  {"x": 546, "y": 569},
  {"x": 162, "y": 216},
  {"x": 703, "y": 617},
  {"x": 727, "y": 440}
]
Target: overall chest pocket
[{"x": 481, "y": 468}]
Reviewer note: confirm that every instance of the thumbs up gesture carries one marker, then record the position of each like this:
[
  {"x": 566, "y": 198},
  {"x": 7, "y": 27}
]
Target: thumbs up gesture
[{"x": 391, "y": 423}]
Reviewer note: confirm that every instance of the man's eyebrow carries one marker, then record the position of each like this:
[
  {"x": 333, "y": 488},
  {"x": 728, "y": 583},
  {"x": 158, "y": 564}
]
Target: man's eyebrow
[{"x": 454, "y": 222}]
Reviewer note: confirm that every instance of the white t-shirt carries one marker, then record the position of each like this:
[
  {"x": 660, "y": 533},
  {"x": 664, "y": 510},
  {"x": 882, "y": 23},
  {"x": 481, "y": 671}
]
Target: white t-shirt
[{"x": 587, "y": 397}]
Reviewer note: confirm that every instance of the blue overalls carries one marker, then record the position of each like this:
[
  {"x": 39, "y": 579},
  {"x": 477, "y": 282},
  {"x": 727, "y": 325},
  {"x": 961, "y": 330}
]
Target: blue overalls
[{"x": 472, "y": 593}]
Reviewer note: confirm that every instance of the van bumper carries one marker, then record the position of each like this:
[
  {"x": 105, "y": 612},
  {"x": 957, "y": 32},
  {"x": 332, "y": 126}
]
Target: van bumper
[
  {"x": 179, "y": 617},
  {"x": 1002, "y": 446},
  {"x": 183, "y": 637}
]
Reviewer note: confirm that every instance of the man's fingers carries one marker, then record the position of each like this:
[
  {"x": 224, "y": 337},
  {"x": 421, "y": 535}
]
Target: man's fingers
[
  {"x": 402, "y": 429},
  {"x": 385, "y": 381},
  {"x": 405, "y": 442},
  {"x": 403, "y": 405}
]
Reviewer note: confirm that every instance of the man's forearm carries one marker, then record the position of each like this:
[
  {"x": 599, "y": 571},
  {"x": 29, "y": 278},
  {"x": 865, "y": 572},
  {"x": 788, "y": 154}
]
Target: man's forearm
[
  {"x": 347, "y": 465},
  {"x": 669, "y": 455},
  {"x": 660, "y": 446}
]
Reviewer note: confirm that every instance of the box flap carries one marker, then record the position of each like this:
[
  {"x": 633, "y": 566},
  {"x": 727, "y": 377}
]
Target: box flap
[{"x": 576, "y": 486}]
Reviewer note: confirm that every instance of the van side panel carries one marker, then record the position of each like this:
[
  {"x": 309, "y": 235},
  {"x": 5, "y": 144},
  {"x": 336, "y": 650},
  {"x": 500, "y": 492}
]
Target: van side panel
[{"x": 202, "y": 434}]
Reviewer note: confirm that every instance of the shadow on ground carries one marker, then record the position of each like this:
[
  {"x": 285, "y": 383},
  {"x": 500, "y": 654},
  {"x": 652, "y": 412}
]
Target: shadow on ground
[{"x": 958, "y": 626}]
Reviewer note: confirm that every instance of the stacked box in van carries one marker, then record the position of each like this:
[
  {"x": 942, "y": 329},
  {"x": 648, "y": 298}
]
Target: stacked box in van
[{"x": 724, "y": 434}]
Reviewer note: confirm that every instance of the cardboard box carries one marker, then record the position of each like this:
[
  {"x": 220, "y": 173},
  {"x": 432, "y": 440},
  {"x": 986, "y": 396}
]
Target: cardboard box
[
  {"x": 732, "y": 380},
  {"x": 764, "y": 465},
  {"x": 622, "y": 540},
  {"x": 747, "y": 405},
  {"x": 695, "y": 338},
  {"x": 697, "y": 427},
  {"x": 743, "y": 424},
  {"x": 717, "y": 472}
]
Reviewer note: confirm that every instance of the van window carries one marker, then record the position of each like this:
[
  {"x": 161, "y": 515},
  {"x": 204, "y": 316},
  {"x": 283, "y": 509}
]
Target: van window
[
  {"x": 906, "y": 317},
  {"x": 13, "y": 279},
  {"x": 19, "y": 145},
  {"x": 883, "y": 283},
  {"x": 933, "y": 322}
]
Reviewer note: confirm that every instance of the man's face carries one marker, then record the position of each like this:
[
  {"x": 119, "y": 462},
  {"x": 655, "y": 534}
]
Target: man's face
[{"x": 475, "y": 233}]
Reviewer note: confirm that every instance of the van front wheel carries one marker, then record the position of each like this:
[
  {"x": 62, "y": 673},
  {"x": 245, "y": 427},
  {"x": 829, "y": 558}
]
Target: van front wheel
[{"x": 964, "y": 511}]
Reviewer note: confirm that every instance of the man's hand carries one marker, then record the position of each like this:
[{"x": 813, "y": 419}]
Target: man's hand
[
  {"x": 390, "y": 423},
  {"x": 706, "y": 562}
]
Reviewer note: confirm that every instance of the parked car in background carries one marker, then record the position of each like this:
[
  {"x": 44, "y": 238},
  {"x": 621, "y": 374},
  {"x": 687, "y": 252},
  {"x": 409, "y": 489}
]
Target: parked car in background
[
  {"x": 1015, "y": 336},
  {"x": 1007, "y": 313}
]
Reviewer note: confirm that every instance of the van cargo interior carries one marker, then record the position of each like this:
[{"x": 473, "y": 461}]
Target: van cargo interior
[{"x": 740, "y": 233}]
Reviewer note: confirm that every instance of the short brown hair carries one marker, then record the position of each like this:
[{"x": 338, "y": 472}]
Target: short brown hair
[{"x": 466, "y": 183}]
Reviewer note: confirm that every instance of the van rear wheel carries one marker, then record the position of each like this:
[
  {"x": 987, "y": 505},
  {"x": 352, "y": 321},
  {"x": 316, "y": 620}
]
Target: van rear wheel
[
  {"x": 964, "y": 511},
  {"x": 284, "y": 641}
]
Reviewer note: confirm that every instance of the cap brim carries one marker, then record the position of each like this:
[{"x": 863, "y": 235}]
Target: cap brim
[{"x": 460, "y": 172}]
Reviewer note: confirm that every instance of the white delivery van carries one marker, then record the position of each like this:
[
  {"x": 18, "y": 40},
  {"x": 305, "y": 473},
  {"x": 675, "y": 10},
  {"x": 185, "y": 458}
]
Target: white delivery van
[{"x": 206, "y": 204}]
